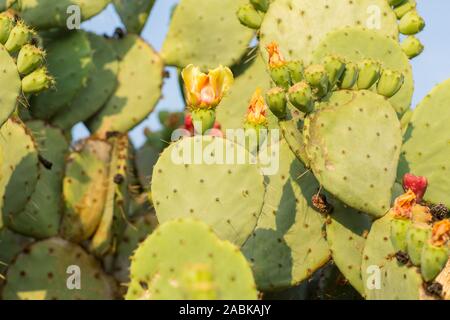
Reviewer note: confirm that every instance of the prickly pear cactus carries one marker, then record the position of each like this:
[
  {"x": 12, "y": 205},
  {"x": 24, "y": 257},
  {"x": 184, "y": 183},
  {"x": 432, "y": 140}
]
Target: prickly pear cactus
[
  {"x": 298, "y": 26},
  {"x": 134, "y": 13},
  {"x": 42, "y": 214},
  {"x": 85, "y": 189},
  {"x": 184, "y": 259},
  {"x": 49, "y": 14},
  {"x": 69, "y": 59},
  {"x": 356, "y": 44},
  {"x": 289, "y": 243},
  {"x": 101, "y": 83},
  {"x": 429, "y": 121},
  {"x": 138, "y": 90},
  {"x": 216, "y": 38},
  {"x": 58, "y": 258},
  {"x": 225, "y": 196},
  {"x": 336, "y": 163}
]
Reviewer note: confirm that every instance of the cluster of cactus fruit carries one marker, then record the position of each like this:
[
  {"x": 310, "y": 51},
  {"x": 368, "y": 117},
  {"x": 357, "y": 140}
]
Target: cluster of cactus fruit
[{"x": 358, "y": 203}]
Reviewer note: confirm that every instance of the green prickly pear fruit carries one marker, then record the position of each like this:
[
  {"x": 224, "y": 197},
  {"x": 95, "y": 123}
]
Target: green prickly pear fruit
[
  {"x": 203, "y": 120},
  {"x": 394, "y": 3},
  {"x": 37, "y": 81},
  {"x": 436, "y": 251},
  {"x": 369, "y": 73},
  {"x": 281, "y": 76},
  {"x": 412, "y": 47},
  {"x": 6, "y": 25},
  {"x": 296, "y": 69},
  {"x": 301, "y": 96},
  {"x": 416, "y": 237},
  {"x": 411, "y": 23},
  {"x": 249, "y": 16},
  {"x": 390, "y": 83},
  {"x": 19, "y": 36},
  {"x": 433, "y": 261},
  {"x": 261, "y": 5},
  {"x": 335, "y": 68},
  {"x": 317, "y": 77},
  {"x": 29, "y": 59},
  {"x": 277, "y": 102},
  {"x": 399, "y": 229},
  {"x": 349, "y": 77},
  {"x": 404, "y": 7}
]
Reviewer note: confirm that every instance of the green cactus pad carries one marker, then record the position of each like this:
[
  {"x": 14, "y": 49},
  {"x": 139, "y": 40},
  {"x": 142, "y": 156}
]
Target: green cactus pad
[
  {"x": 20, "y": 168},
  {"x": 146, "y": 158},
  {"x": 11, "y": 244},
  {"x": 288, "y": 244},
  {"x": 10, "y": 83},
  {"x": 101, "y": 84},
  {"x": 356, "y": 44},
  {"x": 84, "y": 189},
  {"x": 139, "y": 89},
  {"x": 292, "y": 130},
  {"x": 346, "y": 234},
  {"x": 206, "y": 33},
  {"x": 354, "y": 149},
  {"x": 42, "y": 272},
  {"x": 249, "y": 75},
  {"x": 397, "y": 282},
  {"x": 69, "y": 60},
  {"x": 298, "y": 26},
  {"x": 42, "y": 214},
  {"x": 134, "y": 13},
  {"x": 117, "y": 203},
  {"x": 228, "y": 197},
  {"x": 161, "y": 266},
  {"x": 429, "y": 123},
  {"x": 135, "y": 233},
  {"x": 47, "y": 14}
]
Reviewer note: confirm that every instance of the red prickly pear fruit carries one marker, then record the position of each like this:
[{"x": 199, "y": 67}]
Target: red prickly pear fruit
[
  {"x": 188, "y": 123},
  {"x": 217, "y": 126},
  {"x": 416, "y": 184}
]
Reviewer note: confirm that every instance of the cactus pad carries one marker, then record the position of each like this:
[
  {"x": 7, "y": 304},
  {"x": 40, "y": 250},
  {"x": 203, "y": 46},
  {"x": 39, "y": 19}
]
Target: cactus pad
[
  {"x": 134, "y": 13},
  {"x": 42, "y": 214},
  {"x": 135, "y": 233},
  {"x": 10, "y": 83},
  {"x": 356, "y": 44},
  {"x": 298, "y": 26},
  {"x": 397, "y": 281},
  {"x": 292, "y": 129},
  {"x": 429, "y": 122},
  {"x": 354, "y": 149},
  {"x": 206, "y": 33},
  {"x": 41, "y": 272},
  {"x": 346, "y": 234},
  {"x": 228, "y": 197},
  {"x": 184, "y": 259},
  {"x": 288, "y": 244},
  {"x": 20, "y": 168},
  {"x": 69, "y": 60},
  {"x": 84, "y": 189},
  {"x": 139, "y": 89},
  {"x": 101, "y": 84},
  {"x": 47, "y": 14}
]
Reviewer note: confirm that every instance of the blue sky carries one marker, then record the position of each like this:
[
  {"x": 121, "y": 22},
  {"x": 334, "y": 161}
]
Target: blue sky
[{"x": 430, "y": 68}]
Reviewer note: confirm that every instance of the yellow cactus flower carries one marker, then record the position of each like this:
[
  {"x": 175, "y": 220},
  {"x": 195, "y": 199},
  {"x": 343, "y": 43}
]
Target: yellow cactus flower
[
  {"x": 256, "y": 113},
  {"x": 276, "y": 58},
  {"x": 440, "y": 234},
  {"x": 403, "y": 205},
  {"x": 205, "y": 91}
]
